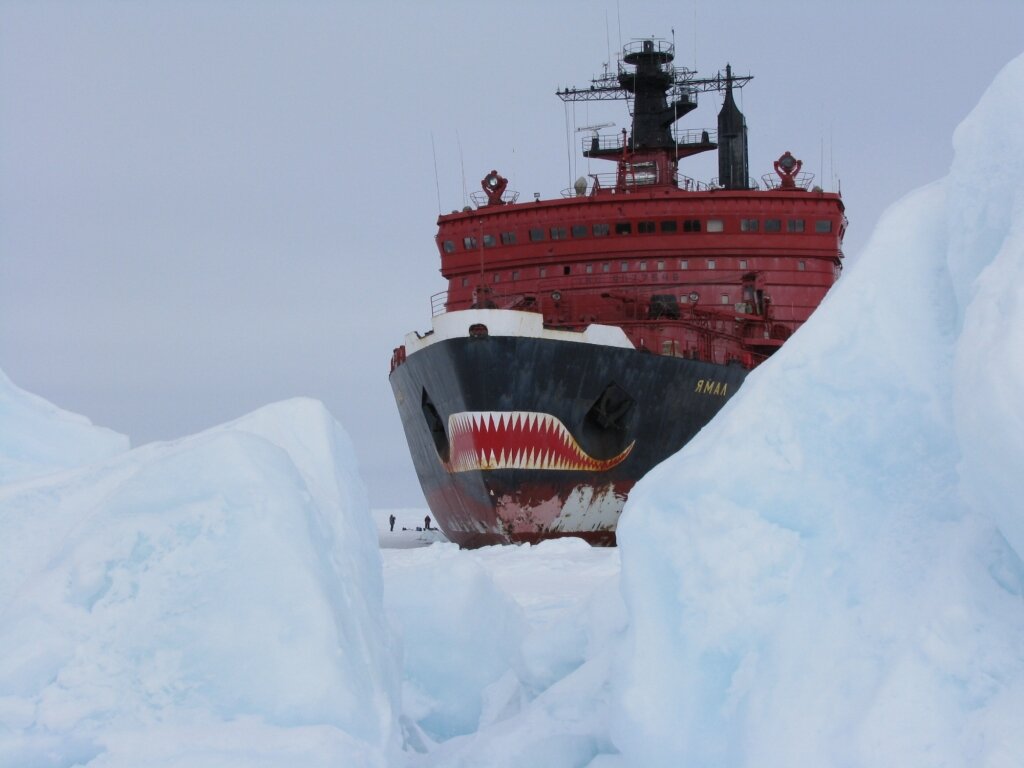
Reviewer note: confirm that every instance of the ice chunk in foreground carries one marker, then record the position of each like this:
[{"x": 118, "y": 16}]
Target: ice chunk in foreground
[
  {"x": 460, "y": 634},
  {"x": 212, "y": 601},
  {"x": 37, "y": 437},
  {"x": 986, "y": 256},
  {"x": 806, "y": 584}
]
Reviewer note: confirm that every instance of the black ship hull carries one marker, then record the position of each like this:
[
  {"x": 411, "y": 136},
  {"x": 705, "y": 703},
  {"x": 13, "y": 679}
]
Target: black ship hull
[{"x": 520, "y": 439}]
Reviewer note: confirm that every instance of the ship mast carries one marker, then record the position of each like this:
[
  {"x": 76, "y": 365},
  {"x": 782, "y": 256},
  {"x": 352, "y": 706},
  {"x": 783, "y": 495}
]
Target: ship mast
[{"x": 660, "y": 94}]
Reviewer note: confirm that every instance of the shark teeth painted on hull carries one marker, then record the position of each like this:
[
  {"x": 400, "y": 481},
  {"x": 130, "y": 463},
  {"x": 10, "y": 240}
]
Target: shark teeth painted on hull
[{"x": 487, "y": 440}]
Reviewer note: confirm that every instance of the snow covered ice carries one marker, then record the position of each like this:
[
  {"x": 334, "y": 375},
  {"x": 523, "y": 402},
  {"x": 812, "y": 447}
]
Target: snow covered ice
[
  {"x": 37, "y": 437},
  {"x": 829, "y": 575},
  {"x": 212, "y": 601}
]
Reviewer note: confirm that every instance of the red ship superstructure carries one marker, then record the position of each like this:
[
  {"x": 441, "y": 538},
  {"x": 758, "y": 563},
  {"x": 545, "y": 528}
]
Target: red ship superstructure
[{"x": 583, "y": 339}]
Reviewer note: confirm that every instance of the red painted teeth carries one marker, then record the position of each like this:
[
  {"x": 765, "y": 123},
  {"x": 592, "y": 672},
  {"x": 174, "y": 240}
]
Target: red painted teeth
[{"x": 483, "y": 440}]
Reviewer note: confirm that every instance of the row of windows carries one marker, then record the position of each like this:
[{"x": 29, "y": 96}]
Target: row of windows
[
  {"x": 539, "y": 234},
  {"x": 607, "y": 266}
]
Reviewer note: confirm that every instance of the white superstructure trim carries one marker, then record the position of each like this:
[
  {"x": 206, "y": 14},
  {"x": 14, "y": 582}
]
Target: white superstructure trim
[{"x": 510, "y": 322}]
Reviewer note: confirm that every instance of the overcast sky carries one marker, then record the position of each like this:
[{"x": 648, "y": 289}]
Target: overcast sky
[{"x": 209, "y": 206}]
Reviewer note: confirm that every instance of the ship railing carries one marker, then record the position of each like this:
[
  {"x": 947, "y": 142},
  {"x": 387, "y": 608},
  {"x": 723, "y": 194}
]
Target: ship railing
[
  {"x": 802, "y": 180},
  {"x": 608, "y": 183},
  {"x": 688, "y": 184},
  {"x": 614, "y": 142},
  {"x": 752, "y": 184},
  {"x": 438, "y": 302},
  {"x": 480, "y": 198},
  {"x": 649, "y": 45},
  {"x": 695, "y": 137}
]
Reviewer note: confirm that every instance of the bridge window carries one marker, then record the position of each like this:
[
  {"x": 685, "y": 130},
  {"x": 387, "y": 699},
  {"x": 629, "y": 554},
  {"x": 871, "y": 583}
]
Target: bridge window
[
  {"x": 801, "y": 265},
  {"x": 645, "y": 227},
  {"x": 469, "y": 243},
  {"x": 623, "y": 227},
  {"x": 536, "y": 235},
  {"x": 579, "y": 230},
  {"x": 724, "y": 298},
  {"x": 624, "y": 266},
  {"x": 606, "y": 267},
  {"x": 773, "y": 225},
  {"x": 743, "y": 263},
  {"x": 715, "y": 225},
  {"x": 748, "y": 225},
  {"x": 794, "y": 225},
  {"x": 590, "y": 269},
  {"x": 542, "y": 272},
  {"x": 661, "y": 266},
  {"x": 465, "y": 282},
  {"x": 566, "y": 270},
  {"x": 489, "y": 241},
  {"x": 684, "y": 263},
  {"x": 600, "y": 230},
  {"x": 449, "y": 246},
  {"x": 643, "y": 266},
  {"x": 515, "y": 275},
  {"x": 823, "y": 225},
  {"x": 497, "y": 277},
  {"x": 711, "y": 263},
  {"x": 691, "y": 225},
  {"x": 668, "y": 226},
  {"x": 508, "y": 238},
  {"x": 558, "y": 233}
]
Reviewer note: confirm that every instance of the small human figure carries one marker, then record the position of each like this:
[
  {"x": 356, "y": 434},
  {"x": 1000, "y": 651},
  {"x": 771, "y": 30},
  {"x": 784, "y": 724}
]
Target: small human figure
[
  {"x": 392, "y": 521},
  {"x": 426, "y": 522}
]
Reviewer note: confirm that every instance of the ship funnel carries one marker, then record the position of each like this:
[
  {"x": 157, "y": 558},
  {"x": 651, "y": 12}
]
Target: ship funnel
[{"x": 733, "y": 166}]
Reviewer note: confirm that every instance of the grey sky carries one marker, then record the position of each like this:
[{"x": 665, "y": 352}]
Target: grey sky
[{"x": 206, "y": 207}]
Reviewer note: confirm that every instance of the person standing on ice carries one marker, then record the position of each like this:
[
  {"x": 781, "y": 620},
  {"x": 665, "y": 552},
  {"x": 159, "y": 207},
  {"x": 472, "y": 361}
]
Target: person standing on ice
[
  {"x": 426, "y": 522},
  {"x": 391, "y": 520}
]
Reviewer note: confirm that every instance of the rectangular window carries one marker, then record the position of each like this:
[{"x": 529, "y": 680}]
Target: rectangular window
[
  {"x": 558, "y": 233},
  {"x": 465, "y": 282},
  {"x": 606, "y": 267},
  {"x": 515, "y": 275},
  {"x": 497, "y": 277},
  {"x": 661, "y": 266},
  {"x": 801, "y": 265},
  {"x": 668, "y": 226},
  {"x": 823, "y": 225},
  {"x": 542, "y": 272},
  {"x": 508, "y": 238},
  {"x": 645, "y": 227},
  {"x": 449, "y": 246},
  {"x": 590, "y": 269},
  {"x": 600, "y": 230},
  {"x": 623, "y": 228},
  {"x": 536, "y": 235},
  {"x": 684, "y": 298},
  {"x": 748, "y": 225},
  {"x": 794, "y": 225},
  {"x": 469, "y": 243},
  {"x": 743, "y": 263},
  {"x": 691, "y": 225},
  {"x": 579, "y": 230},
  {"x": 566, "y": 270},
  {"x": 724, "y": 298},
  {"x": 773, "y": 225},
  {"x": 684, "y": 263},
  {"x": 643, "y": 266},
  {"x": 624, "y": 266},
  {"x": 489, "y": 241},
  {"x": 711, "y": 263},
  {"x": 715, "y": 225}
]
